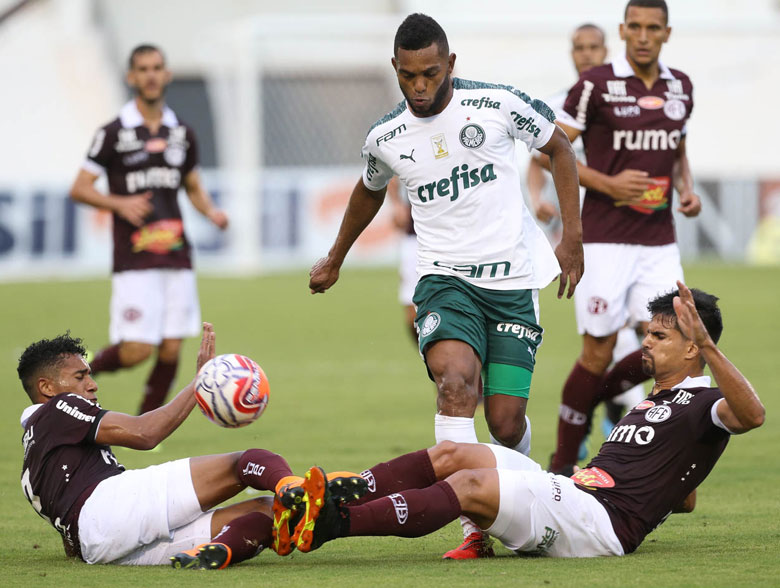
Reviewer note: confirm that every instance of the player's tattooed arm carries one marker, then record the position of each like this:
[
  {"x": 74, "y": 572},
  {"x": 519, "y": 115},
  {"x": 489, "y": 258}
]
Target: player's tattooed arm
[
  {"x": 742, "y": 409},
  {"x": 133, "y": 208},
  {"x": 149, "y": 429},
  {"x": 361, "y": 210}
]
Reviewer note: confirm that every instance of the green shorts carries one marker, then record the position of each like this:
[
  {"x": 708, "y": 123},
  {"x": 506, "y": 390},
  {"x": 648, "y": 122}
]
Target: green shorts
[{"x": 499, "y": 324}]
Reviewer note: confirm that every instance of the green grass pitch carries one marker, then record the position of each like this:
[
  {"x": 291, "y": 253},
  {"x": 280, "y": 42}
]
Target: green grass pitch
[{"x": 348, "y": 390}]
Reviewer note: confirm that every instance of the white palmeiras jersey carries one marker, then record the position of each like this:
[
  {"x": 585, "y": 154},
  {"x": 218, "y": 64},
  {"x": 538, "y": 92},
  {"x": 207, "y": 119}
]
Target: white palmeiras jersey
[{"x": 461, "y": 175}]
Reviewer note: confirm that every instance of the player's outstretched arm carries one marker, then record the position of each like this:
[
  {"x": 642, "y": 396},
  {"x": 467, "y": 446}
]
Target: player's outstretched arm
[
  {"x": 563, "y": 165},
  {"x": 134, "y": 209},
  {"x": 202, "y": 201},
  {"x": 536, "y": 181},
  {"x": 149, "y": 429},
  {"x": 690, "y": 203},
  {"x": 361, "y": 210},
  {"x": 742, "y": 409}
]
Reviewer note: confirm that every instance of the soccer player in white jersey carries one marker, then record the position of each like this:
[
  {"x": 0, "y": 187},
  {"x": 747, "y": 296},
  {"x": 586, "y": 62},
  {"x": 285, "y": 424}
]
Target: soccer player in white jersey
[{"x": 481, "y": 257}]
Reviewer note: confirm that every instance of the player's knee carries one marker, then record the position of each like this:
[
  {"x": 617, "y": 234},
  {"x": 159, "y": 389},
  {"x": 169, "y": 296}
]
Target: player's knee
[
  {"x": 597, "y": 353},
  {"x": 168, "y": 351},
  {"x": 444, "y": 458},
  {"x": 455, "y": 391},
  {"x": 132, "y": 353},
  {"x": 470, "y": 486},
  {"x": 507, "y": 429}
]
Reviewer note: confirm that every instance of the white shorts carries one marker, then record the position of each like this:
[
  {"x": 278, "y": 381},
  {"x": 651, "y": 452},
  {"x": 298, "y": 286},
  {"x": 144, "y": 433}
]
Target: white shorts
[
  {"x": 148, "y": 306},
  {"x": 143, "y": 517},
  {"x": 546, "y": 514},
  {"x": 619, "y": 281},
  {"x": 408, "y": 269}
]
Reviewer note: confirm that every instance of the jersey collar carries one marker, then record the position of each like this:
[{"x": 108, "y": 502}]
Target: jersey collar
[
  {"x": 131, "y": 117},
  {"x": 697, "y": 382},
  {"x": 28, "y": 412},
  {"x": 622, "y": 68}
]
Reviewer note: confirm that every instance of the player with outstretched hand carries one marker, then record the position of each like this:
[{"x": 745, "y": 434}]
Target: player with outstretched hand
[
  {"x": 481, "y": 258},
  {"x": 147, "y": 154},
  {"x": 107, "y": 514},
  {"x": 648, "y": 468}
]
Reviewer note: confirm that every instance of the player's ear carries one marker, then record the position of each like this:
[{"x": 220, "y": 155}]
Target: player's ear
[
  {"x": 168, "y": 76},
  {"x": 668, "y": 34},
  {"x": 622, "y": 31},
  {"x": 692, "y": 350},
  {"x": 451, "y": 63},
  {"x": 45, "y": 388},
  {"x": 394, "y": 63}
]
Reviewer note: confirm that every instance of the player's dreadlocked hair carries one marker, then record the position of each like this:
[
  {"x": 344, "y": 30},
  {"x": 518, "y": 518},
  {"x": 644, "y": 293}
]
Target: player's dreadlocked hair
[
  {"x": 140, "y": 50},
  {"x": 43, "y": 355},
  {"x": 706, "y": 307},
  {"x": 648, "y": 4},
  {"x": 419, "y": 31}
]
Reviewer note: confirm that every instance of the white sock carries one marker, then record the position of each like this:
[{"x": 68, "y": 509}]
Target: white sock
[
  {"x": 460, "y": 430},
  {"x": 524, "y": 446}
]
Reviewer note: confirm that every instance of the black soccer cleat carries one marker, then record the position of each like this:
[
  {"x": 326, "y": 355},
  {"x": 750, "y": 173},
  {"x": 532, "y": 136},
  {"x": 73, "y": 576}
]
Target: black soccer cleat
[
  {"x": 209, "y": 556},
  {"x": 322, "y": 517}
]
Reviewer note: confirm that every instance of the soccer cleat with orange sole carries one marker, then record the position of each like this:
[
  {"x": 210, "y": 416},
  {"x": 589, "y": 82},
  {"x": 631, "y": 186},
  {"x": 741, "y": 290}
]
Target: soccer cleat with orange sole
[
  {"x": 285, "y": 520},
  {"x": 208, "y": 556},
  {"x": 344, "y": 487},
  {"x": 476, "y": 545}
]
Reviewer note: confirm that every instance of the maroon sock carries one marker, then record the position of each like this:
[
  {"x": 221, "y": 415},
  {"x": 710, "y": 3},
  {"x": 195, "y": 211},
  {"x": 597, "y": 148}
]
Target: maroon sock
[
  {"x": 623, "y": 376},
  {"x": 262, "y": 469},
  {"x": 579, "y": 396},
  {"x": 157, "y": 385},
  {"x": 106, "y": 360},
  {"x": 411, "y": 513},
  {"x": 246, "y": 535},
  {"x": 413, "y": 470}
]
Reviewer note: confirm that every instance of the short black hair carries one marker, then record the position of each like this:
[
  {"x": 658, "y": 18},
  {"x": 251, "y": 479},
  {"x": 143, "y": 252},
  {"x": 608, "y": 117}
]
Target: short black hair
[
  {"x": 706, "y": 307},
  {"x": 140, "y": 50},
  {"x": 419, "y": 31},
  {"x": 45, "y": 354},
  {"x": 648, "y": 4}
]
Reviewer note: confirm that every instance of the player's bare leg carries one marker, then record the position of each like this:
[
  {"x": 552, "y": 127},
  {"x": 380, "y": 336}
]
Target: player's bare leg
[
  {"x": 505, "y": 416},
  {"x": 160, "y": 379}
]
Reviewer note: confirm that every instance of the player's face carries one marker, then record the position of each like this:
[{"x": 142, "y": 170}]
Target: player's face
[
  {"x": 665, "y": 350},
  {"x": 587, "y": 49},
  {"x": 424, "y": 78},
  {"x": 644, "y": 32},
  {"x": 74, "y": 378},
  {"x": 149, "y": 76}
]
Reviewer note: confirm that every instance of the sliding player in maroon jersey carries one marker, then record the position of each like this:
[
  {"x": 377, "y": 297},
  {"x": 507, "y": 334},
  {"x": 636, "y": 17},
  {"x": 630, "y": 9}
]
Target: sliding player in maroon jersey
[
  {"x": 632, "y": 116},
  {"x": 648, "y": 468}
]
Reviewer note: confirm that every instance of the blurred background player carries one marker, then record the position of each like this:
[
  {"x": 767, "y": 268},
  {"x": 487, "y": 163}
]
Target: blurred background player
[
  {"x": 481, "y": 258},
  {"x": 632, "y": 116},
  {"x": 588, "y": 49},
  {"x": 147, "y": 155}
]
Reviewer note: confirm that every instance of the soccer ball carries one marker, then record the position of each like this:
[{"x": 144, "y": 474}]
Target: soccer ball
[{"x": 231, "y": 390}]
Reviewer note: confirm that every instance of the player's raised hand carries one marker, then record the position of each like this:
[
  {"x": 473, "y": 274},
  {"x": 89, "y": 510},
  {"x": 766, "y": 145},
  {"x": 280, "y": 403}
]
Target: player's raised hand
[
  {"x": 323, "y": 275},
  {"x": 630, "y": 184},
  {"x": 207, "y": 346},
  {"x": 545, "y": 211},
  {"x": 688, "y": 319},
  {"x": 572, "y": 261},
  {"x": 690, "y": 204},
  {"x": 134, "y": 209}
]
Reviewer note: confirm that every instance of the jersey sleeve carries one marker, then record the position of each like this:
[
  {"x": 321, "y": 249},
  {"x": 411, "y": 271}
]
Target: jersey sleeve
[
  {"x": 580, "y": 105},
  {"x": 193, "y": 154},
  {"x": 100, "y": 152},
  {"x": 376, "y": 173},
  {"x": 704, "y": 421},
  {"x": 530, "y": 121},
  {"x": 75, "y": 419}
]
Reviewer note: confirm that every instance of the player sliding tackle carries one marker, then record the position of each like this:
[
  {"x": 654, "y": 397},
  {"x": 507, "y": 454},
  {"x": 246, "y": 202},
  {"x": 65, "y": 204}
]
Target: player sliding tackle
[{"x": 648, "y": 468}]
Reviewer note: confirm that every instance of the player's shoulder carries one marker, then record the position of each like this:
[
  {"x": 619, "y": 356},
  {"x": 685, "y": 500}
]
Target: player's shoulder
[
  {"x": 481, "y": 94},
  {"x": 112, "y": 126},
  {"x": 387, "y": 121},
  {"x": 598, "y": 74},
  {"x": 682, "y": 77}
]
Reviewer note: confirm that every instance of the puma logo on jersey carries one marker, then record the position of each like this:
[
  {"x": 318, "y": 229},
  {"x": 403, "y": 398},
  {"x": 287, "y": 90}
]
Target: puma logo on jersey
[
  {"x": 410, "y": 156},
  {"x": 461, "y": 178}
]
